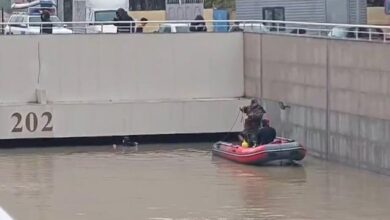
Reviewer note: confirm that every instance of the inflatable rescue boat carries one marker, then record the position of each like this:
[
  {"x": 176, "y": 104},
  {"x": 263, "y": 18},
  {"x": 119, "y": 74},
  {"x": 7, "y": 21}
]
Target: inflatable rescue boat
[{"x": 279, "y": 149}]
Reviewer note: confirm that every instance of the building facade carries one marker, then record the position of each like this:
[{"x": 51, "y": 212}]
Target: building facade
[{"x": 329, "y": 11}]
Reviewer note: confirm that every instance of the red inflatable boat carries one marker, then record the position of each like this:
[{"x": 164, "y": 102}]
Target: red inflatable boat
[{"x": 279, "y": 149}]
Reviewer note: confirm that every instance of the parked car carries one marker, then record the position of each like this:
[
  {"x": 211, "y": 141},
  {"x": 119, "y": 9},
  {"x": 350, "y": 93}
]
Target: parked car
[
  {"x": 357, "y": 33},
  {"x": 174, "y": 28},
  {"x": 249, "y": 27},
  {"x": 29, "y": 24}
]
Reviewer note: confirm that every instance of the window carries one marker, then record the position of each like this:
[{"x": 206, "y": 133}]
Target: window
[
  {"x": 173, "y": 1},
  {"x": 33, "y": 20},
  {"x": 182, "y": 29},
  {"x": 13, "y": 20},
  {"x": 274, "y": 14},
  {"x": 147, "y": 5},
  {"x": 24, "y": 19},
  {"x": 278, "y": 14},
  {"x": 268, "y": 14},
  {"x": 167, "y": 30},
  {"x": 164, "y": 29},
  {"x": 387, "y": 7},
  {"x": 68, "y": 10},
  {"x": 18, "y": 19},
  {"x": 105, "y": 15}
]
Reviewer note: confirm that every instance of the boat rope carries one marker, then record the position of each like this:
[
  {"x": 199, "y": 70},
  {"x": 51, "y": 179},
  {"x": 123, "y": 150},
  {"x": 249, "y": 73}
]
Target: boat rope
[{"x": 234, "y": 124}]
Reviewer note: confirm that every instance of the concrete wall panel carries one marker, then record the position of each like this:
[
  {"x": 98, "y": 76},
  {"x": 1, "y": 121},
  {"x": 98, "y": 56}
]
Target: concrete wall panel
[
  {"x": 19, "y": 69},
  {"x": 137, "y": 67},
  {"x": 252, "y": 64},
  {"x": 118, "y": 84},
  {"x": 127, "y": 118},
  {"x": 121, "y": 67},
  {"x": 359, "y": 78},
  {"x": 294, "y": 70},
  {"x": 339, "y": 96}
]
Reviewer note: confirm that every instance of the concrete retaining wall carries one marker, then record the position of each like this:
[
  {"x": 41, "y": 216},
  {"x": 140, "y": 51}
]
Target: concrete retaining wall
[
  {"x": 104, "y": 85},
  {"x": 58, "y": 120},
  {"x": 121, "y": 67},
  {"x": 338, "y": 92},
  {"x": 359, "y": 104}
]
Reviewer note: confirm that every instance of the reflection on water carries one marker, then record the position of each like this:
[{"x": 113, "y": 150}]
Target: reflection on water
[{"x": 180, "y": 182}]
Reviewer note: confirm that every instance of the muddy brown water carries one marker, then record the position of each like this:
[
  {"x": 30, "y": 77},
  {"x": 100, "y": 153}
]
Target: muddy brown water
[{"x": 180, "y": 181}]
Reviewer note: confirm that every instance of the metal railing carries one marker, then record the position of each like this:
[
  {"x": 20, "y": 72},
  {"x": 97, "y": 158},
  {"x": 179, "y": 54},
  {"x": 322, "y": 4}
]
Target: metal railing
[{"x": 324, "y": 30}]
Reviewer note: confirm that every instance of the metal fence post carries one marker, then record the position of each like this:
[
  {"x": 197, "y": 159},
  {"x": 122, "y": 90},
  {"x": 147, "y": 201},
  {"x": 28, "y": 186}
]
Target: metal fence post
[{"x": 369, "y": 34}]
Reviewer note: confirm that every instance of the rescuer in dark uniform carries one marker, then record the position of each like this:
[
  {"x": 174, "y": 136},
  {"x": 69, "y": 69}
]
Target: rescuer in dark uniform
[
  {"x": 254, "y": 114},
  {"x": 266, "y": 134}
]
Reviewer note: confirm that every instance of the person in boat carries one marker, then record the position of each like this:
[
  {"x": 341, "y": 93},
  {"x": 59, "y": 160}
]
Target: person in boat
[
  {"x": 266, "y": 134},
  {"x": 252, "y": 123},
  {"x": 47, "y": 26}
]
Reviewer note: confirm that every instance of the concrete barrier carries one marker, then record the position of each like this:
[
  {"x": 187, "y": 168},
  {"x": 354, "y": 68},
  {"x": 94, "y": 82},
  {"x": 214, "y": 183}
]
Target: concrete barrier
[
  {"x": 104, "y": 85},
  {"x": 338, "y": 92}
]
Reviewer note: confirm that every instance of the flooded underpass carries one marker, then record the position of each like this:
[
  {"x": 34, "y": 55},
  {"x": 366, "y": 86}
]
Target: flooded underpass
[{"x": 180, "y": 181}]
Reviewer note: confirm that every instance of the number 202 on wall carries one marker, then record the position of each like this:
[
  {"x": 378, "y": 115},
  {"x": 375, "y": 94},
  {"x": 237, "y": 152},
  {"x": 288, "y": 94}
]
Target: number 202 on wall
[{"x": 31, "y": 122}]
